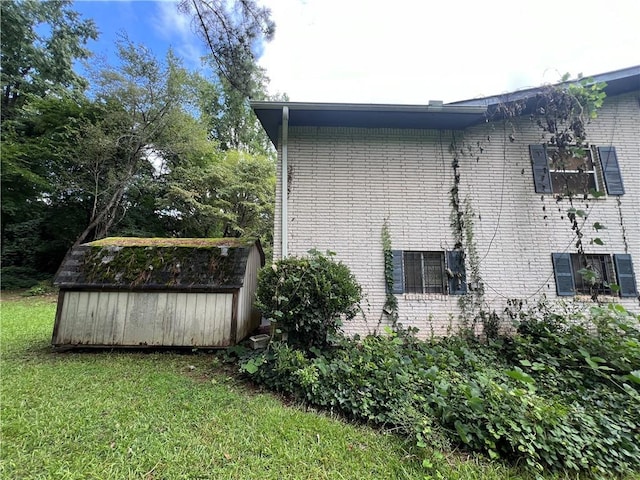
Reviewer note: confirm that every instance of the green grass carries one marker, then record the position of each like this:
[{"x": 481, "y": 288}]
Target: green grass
[{"x": 131, "y": 415}]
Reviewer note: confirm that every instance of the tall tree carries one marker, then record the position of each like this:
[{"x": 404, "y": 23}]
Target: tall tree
[
  {"x": 143, "y": 129},
  {"x": 229, "y": 118},
  {"x": 40, "y": 41},
  {"x": 234, "y": 31}
]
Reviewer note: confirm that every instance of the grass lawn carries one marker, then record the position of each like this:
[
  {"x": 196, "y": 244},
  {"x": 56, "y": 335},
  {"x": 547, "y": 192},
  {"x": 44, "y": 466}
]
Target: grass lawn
[{"x": 121, "y": 415}]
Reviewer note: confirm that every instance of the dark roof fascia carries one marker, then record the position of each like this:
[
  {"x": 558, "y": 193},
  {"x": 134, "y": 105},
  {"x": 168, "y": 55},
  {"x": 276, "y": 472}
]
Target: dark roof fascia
[
  {"x": 618, "y": 82},
  {"x": 93, "y": 287},
  {"x": 361, "y": 115}
]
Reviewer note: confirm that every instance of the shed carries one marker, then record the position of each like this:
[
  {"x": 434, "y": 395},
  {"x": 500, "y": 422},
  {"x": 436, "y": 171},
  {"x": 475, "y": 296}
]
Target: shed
[{"x": 158, "y": 292}]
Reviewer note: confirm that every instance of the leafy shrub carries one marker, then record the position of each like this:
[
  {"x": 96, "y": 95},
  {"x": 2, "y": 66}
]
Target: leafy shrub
[
  {"x": 14, "y": 277},
  {"x": 308, "y": 298},
  {"x": 563, "y": 394},
  {"x": 43, "y": 287}
]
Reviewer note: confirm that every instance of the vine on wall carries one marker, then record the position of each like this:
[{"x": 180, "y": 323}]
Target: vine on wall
[
  {"x": 390, "y": 308},
  {"x": 462, "y": 224},
  {"x": 562, "y": 112}
]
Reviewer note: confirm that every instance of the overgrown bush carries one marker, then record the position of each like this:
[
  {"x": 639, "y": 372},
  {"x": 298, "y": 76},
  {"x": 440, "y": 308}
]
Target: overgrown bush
[
  {"x": 14, "y": 277},
  {"x": 562, "y": 394},
  {"x": 308, "y": 298}
]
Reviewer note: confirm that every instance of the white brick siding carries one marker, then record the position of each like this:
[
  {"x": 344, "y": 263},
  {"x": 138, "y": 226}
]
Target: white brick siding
[{"x": 344, "y": 183}]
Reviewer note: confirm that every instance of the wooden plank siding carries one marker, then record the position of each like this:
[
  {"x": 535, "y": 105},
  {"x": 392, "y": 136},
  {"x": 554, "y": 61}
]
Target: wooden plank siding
[
  {"x": 109, "y": 318},
  {"x": 248, "y": 316}
]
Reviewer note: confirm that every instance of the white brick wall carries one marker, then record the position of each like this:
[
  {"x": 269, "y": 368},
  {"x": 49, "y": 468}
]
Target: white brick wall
[{"x": 344, "y": 183}]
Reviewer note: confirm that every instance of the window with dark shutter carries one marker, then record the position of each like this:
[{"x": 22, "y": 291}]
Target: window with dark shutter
[
  {"x": 457, "y": 278},
  {"x": 625, "y": 275},
  {"x": 540, "y": 166},
  {"x": 575, "y": 170},
  {"x": 564, "y": 275},
  {"x": 593, "y": 273},
  {"x": 611, "y": 170},
  {"x": 398, "y": 272}
]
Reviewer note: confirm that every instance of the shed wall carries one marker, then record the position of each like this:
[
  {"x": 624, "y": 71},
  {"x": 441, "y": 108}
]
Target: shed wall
[
  {"x": 144, "y": 318},
  {"x": 248, "y": 316}
]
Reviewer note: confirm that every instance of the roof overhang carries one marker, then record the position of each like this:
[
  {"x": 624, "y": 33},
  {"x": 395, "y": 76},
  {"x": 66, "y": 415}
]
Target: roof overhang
[
  {"x": 618, "y": 82},
  {"x": 433, "y": 116}
]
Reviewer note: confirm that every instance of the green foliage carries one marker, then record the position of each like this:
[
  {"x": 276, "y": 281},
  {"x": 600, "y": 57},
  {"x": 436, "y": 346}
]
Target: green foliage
[
  {"x": 391, "y": 302},
  {"x": 563, "y": 111},
  {"x": 308, "y": 297},
  {"x": 561, "y": 395},
  {"x": 16, "y": 277},
  {"x": 40, "y": 42},
  {"x": 233, "y": 31},
  {"x": 231, "y": 195}
]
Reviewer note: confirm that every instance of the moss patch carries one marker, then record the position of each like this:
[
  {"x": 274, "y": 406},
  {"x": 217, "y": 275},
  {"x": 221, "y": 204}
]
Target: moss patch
[
  {"x": 172, "y": 242},
  {"x": 185, "y": 263}
]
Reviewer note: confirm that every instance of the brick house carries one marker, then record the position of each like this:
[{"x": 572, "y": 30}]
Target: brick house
[{"x": 470, "y": 201}]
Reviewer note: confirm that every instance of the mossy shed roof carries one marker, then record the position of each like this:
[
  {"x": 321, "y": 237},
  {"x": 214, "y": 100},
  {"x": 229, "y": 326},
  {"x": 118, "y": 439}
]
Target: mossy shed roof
[{"x": 130, "y": 263}]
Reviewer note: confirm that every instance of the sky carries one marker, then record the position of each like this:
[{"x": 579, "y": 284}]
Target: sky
[{"x": 403, "y": 51}]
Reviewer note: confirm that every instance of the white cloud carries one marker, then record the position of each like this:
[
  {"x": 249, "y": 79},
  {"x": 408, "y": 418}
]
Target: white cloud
[
  {"x": 413, "y": 51},
  {"x": 175, "y": 28}
]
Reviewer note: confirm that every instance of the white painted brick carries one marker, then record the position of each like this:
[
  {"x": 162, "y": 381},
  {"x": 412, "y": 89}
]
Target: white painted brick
[{"x": 344, "y": 183}]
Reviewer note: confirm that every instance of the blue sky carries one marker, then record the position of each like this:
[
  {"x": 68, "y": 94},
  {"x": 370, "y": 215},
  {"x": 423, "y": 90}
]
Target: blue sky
[
  {"x": 155, "y": 24},
  {"x": 405, "y": 51}
]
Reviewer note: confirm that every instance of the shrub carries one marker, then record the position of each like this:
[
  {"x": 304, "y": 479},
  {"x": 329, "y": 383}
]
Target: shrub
[
  {"x": 308, "y": 298},
  {"x": 14, "y": 277},
  {"x": 562, "y": 395}
]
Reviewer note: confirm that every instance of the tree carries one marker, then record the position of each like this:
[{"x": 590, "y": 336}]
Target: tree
[
  {"x": 229, "y": 118},
  {"x": 234, "y": 31},
  {"x": 40, "y": 41},
  {"x": 231, "y": 195},
  {"x": 144, "y": 129}
]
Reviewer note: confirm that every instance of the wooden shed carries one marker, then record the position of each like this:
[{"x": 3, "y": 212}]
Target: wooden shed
[{"x": 164, "y": 292}]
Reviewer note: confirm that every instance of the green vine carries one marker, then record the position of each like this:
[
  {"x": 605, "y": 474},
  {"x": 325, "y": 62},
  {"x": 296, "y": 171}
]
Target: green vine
[
  {"x": 562, "y": 112},
  {"x": 390, "y": 308},
  {"x": 461, "y": 218}
]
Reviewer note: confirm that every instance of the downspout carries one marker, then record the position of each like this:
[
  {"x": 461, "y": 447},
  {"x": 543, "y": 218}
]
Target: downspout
[{"x": 284, "y": 174}]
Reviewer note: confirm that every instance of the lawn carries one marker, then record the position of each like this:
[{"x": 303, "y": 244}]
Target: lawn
[{"x": 163, "y": 415}]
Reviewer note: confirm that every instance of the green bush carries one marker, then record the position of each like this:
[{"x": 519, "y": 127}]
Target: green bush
[
  {"x": 14, "y": 277},
  {"x": 561, "y": 395},
  {"x": 308, "y": 298}
]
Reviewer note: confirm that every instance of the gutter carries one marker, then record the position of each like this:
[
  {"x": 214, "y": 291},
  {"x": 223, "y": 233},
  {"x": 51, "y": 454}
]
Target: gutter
[
  {"x": 284, "y": 252},
  {"x": 368, "y": 107}
]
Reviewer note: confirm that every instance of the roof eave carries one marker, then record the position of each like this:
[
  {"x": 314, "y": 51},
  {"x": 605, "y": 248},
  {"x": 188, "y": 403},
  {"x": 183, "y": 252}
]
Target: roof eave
[{"x": 437, "y": 116}]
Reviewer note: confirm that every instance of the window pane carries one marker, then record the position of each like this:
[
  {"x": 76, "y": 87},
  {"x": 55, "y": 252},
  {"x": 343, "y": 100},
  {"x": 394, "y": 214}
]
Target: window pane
[
  {"x": 569, "y": 162},
  {"x": 413, "y": 272},
  {"x": 434, "y": 272},
  {"x": 602, "y": 269},
  {"x": 575, "y": 183}
]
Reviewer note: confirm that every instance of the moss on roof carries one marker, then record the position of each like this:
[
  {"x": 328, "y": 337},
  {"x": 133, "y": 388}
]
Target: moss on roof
[
  {"x": 172, "y": 242},
  {"x": 157, "y": 263}
]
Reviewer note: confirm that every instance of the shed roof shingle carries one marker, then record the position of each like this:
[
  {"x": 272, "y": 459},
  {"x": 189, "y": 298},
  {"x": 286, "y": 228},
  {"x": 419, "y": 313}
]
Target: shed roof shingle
[{"x": 156, "y": 264}]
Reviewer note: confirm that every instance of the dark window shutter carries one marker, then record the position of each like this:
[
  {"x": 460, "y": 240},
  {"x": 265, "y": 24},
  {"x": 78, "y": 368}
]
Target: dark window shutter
[
  {"x": 625, "y": 275},
  {"x": 458, "y": 279},
  {"x": 611, "y": 170},
  {"x": 565, "y": 285},
  {"x": 540, "y": 165},
  {"x": 398, "y": 272}
]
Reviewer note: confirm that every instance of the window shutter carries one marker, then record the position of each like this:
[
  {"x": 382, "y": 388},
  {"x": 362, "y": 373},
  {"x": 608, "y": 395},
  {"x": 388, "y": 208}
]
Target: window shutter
[
  {"x": 457, "y": 281},
  {"x": 611, "y": 170},
  {"x": 398, "y": 272},
  {"x": 565, "y": 285},
  {"x": 540, "y": 165},
  {"x": 625, "y": 275}
]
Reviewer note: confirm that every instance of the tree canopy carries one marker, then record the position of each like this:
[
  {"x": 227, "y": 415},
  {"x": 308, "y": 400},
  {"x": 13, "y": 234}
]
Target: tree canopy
[{"x": 154, "y": 150}]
